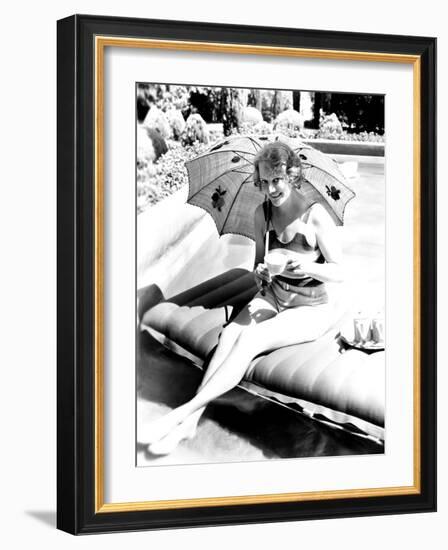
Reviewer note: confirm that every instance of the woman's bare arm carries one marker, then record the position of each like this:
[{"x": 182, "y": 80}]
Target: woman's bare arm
[{"x": 328, "y": 242}]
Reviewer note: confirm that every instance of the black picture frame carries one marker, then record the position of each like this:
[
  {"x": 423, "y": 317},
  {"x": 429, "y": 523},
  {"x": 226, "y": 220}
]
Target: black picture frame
[{"x": 77, "y": 510}]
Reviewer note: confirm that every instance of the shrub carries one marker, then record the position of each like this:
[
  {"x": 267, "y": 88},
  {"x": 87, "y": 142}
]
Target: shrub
[
  {"x": 330, "y": 124},
  {"x": 157, "y": 120},
  {"x": 251, "y": 116},
  {"x": 145, "y": 148},
  {"x": 371, "y": 137},
  {"x": 289, "y": 121},
  {"x": 195, "y": 130},
  {"x": 176, "y": 121},
  {"x": 155, "y": 181},
  {"x": 260, "y": 129}
]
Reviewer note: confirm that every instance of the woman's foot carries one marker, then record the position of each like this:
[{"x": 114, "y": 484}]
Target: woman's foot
[
  {"x": 166, "y": 445},
  {"x": 161, "y": 428}
]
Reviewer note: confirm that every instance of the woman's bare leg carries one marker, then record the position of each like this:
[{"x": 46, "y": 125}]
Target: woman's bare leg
[
  {"x": 256, "y": 311},
  {"x": 289, "y": 327},
  {"x": 187, "y": 429},
  {"x": 179, "y": 423}
]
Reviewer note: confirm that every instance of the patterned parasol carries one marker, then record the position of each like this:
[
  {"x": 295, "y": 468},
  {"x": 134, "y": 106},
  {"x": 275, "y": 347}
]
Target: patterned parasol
[{"x": 221, "y": 182}]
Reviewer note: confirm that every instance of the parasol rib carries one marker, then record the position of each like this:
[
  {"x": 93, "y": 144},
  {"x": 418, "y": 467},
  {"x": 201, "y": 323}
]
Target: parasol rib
[
  {"x": 257, "y": 145},
  {"x": 233, "y": 202}
]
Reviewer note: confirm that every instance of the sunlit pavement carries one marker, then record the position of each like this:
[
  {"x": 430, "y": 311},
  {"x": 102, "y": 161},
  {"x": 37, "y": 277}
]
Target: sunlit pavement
[{"x": 239, "y": 426}]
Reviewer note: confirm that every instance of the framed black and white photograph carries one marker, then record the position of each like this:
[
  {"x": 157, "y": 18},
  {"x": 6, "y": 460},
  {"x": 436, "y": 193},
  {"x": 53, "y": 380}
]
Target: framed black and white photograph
[
  {"x": 208, "y": 206},
  {"x": 246, "y": 225}
]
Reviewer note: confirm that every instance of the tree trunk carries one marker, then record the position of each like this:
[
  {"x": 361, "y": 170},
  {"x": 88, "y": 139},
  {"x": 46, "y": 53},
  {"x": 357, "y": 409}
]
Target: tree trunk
[
  {"x": 296, "y": 101},
  {"x": 257, "y": 96}
]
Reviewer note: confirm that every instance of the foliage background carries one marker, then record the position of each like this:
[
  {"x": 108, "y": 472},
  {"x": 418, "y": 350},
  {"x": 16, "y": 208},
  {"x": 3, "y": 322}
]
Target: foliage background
[{"x": 192, "y": 118}]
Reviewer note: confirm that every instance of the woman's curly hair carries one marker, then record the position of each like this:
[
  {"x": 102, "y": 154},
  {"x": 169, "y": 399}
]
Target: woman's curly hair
[{"x": 277, "y": 154}]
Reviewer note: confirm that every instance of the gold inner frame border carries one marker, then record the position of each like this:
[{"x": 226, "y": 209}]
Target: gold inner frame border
[{"x": 101, "y": 42}]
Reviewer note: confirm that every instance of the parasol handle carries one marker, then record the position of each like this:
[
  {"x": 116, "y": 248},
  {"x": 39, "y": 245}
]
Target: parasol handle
[
  {"x": 266, "y": 244},
  {"x": 266, "y": 250}
]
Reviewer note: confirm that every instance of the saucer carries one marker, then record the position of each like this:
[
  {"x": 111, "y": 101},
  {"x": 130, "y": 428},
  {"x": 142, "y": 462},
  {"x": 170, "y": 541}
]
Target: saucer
[{"x": 366, "y": 346}]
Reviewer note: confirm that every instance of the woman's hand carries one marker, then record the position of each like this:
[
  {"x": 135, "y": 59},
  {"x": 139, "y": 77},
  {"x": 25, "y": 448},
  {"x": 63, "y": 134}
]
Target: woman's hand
[
  {"x": 262, "y": 276},
  {"x": 296, "y": 268}
]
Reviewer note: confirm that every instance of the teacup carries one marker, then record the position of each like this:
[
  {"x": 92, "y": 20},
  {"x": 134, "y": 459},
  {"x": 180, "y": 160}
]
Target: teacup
[{"x": 276, "y": 262}]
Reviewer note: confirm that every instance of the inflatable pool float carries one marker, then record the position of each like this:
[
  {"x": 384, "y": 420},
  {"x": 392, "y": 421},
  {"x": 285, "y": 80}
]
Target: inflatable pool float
[{"x": 323, "y": 379}]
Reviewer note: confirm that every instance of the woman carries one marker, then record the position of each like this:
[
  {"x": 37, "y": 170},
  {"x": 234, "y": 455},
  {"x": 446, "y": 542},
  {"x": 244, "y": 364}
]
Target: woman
[{"x": 290, "y": 308}]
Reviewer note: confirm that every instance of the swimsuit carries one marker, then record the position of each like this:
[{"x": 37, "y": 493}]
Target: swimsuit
[{"x": 286, "y": 292}]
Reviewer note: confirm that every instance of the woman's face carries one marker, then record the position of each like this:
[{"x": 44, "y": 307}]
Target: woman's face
[{"x": 274, "y": 182}]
